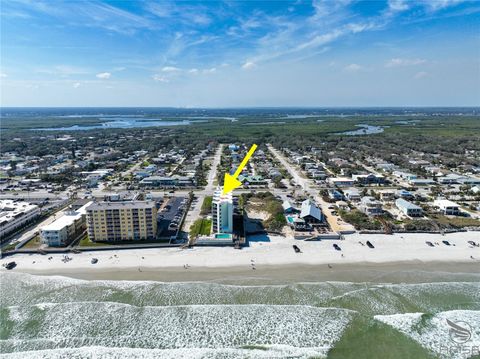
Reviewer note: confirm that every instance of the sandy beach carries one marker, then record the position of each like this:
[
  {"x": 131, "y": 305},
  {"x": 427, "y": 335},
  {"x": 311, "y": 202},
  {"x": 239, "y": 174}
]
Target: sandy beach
[{"x": 269, "y": 256}]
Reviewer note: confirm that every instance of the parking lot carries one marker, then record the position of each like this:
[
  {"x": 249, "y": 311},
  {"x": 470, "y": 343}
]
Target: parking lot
[{"x": 170, "y": 215}]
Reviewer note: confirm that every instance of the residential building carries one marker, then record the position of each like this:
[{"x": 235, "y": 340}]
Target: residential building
[
  {"x": 15, "y": 214},
  {"x": 421, "y": 182},
  {"x": 408, "y": 208},
  {"x": 447, "y": 207},
  {"x": 65, "y": 229},
  {"x": 122, "y": 221},
  {"x": 310, "y": 213},
  {"x": 341, "y": 181},
  {"x": 222, "y": 212},
  {"x": 352, "y": 194},
  {"x": 370, "y": 206},
  {"x": 387, "y": 195},
  {"x": 404, "y": 193},
  {"x": 288, "y": 207},
  {"x": 370, "y": 178},
  {"x": 335, "y": 195}
]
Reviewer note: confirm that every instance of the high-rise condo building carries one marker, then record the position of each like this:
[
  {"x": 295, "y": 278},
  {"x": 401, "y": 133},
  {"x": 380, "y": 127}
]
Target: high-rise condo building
[
  {"x": 122, "y": 221},
  {"x": 222, "y": 212}
]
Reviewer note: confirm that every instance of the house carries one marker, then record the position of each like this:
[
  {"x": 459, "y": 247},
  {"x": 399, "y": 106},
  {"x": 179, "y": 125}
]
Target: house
[
  {"x": 447, "y": 207},
  {"x": 387, "y": 167},
  {"x": 387, "y": 195},
  {"x": 341, "y": 181},
  {"x": 421, "y": 182},
  {"x": 408, "y": 208},
  {"x": 404, "y": 175},
  {"x": 368, "y": 178},
  {"x": 404, "y": 193},
  {"x": 450, "y": 178},
  {"x": 352, "y": 194},
  {"x": 288, "y": 207},
  {"x": 469, "y": 181},
  {"x": 370, "y": 206},
  {"x": 335, "y": 195},
  {"x": 310, "y": 213}
]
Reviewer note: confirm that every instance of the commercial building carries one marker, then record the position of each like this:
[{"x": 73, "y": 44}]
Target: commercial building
[
  {"x": 15, "y": 214},
  {"x": 168, "y": 182},
  {"x": 370, "y": 206},
  {"x": 447, "y": 207},
  {"x": 65, "y": 229},
  {"x": 222, "y": 212},
  {"x": 122, "y": 221},
  {"x": 408, "y": 208}
]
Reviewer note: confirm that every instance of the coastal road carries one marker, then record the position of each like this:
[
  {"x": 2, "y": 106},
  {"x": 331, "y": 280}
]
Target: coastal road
[{"x": 305, "y": 183}]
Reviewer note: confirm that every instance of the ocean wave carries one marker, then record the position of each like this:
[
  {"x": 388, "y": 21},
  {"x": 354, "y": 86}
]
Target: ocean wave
[
  {"x": 98, "y": 352},
  {"x": 51, "y": 326},
  {"x": 433, "y": 331}
]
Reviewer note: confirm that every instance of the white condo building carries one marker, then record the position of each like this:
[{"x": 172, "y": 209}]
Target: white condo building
[
  {"x": 15, "y": 214},
  {"x": 65, "y": 229},
  {"x": 222, "y": 212}
]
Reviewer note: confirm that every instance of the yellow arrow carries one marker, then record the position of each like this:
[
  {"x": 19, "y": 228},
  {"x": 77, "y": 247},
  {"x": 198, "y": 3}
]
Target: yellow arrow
[{"x": 231, "y": 182}]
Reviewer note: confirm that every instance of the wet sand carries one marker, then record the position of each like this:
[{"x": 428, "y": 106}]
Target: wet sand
[{"x": 399, "y": 272}]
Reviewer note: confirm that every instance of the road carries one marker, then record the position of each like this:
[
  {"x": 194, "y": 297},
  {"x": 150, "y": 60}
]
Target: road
[
  {"x": 305, "y": 183},
  {"x": 194, "y": 212}
]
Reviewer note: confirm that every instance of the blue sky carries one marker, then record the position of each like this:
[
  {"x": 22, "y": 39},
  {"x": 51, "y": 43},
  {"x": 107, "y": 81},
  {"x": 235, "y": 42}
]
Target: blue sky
[{"x": 240, "y": 53}]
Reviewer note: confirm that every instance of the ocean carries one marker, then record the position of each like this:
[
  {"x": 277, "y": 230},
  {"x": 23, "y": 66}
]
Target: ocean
[{"x": 61, "y": 317}]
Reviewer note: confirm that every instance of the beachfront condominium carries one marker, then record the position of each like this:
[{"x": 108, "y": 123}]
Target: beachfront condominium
[
  {"x": 222, "y": 212},
  {"x": 66, "y": 228},
  {"x": 122, "y": 221}
]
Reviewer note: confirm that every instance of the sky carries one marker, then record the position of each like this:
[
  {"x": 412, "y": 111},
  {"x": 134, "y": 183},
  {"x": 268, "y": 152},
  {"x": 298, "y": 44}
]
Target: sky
[{"x": 240, "y": 53}]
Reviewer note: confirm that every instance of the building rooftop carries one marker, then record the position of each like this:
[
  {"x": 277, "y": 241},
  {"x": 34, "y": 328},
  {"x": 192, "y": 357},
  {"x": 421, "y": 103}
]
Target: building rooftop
[
  {"x": 66, "y": 220},
  {"x": 405, "y": 204},
  {"x": 120, "y": 205},
  {"x": 9, "y": 210},
  {"x": 310, "y": 209},
  {"x": 219, "y": 196},
  {"x": 445, "y": 203}
]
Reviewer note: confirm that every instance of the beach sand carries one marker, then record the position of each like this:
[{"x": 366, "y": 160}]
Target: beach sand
[{"x": 272, "y": 258}]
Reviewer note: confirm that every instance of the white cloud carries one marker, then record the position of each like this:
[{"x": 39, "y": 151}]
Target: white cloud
[
  {"x": 209, "y": 71},
  {"x": 398, "y": 5},
  {"x": 420, "y": 75},
  {"x": 104, "y": 75},
  {"x": 170, "y": 69},
  {"x": 160, "y": 78},
  {"x": 249, "y": 65},
  {"x": 397, "y": 62},
  {"x": 3, "y": 74},
  {"x": 353, "y": 68},
  {"x": 193, "y": 71},
  {"x": 436, "y": 5},
  {"x": 76, "y": 85}
]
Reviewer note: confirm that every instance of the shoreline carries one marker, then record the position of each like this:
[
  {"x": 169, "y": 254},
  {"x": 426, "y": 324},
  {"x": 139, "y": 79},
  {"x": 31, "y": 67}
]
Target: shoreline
[
  {"x": 393, "y": 272},
  {"x": 272, "y": 258}
]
